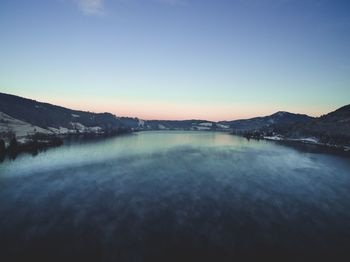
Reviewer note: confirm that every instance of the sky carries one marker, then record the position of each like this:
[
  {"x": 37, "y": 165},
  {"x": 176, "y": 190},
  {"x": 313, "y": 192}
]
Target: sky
[{"x": 178, "y": 59}]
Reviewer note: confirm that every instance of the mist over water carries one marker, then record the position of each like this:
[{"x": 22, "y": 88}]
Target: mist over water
[{"x": 174, "y": 196}]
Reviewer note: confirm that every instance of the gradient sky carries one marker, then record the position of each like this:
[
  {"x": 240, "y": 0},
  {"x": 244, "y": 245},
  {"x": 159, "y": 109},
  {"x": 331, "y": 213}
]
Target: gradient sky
[{"x": 178, "y": 59}]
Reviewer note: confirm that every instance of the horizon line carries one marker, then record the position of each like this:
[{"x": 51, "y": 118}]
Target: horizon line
[{"x": 163, "y": 119}]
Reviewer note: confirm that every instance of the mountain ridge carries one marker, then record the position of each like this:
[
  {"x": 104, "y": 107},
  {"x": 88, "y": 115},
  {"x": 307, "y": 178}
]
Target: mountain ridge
[
  {"x": 257, "y": 123},
  {"x": 47, "y": 115},
  {"x": 331, "y": 128}
]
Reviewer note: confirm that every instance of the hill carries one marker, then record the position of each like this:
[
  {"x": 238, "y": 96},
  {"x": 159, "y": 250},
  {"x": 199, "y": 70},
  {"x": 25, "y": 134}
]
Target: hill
[
  {"x": 332, "y": 128},
  {"x": 45, "y": 115},
  {"x": 258, "y": 123}
]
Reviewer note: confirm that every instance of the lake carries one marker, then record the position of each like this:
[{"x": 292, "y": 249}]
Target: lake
[{"x": 175, "y": 196}]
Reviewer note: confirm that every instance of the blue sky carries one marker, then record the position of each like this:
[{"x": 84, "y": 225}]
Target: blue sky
[{"x": 177, "y": 59}]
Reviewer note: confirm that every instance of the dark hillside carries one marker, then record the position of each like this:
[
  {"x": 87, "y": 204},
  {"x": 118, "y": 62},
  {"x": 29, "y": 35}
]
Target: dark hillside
[
  {"x": 333, "y": 128},
  {"x": 257, "y": 123},
  {"x": 46, "y": 115}
]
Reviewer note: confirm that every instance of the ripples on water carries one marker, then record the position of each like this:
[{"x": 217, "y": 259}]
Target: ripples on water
[{"x": 175, "y": 196}]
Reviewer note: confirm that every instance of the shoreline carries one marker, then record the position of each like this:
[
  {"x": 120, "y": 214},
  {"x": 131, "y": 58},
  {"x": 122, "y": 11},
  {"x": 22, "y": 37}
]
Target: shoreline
[
  {"x": 308, "y": 141},
  {"x": 312, "y": 146},
  {"x": 41, "y": 142},
  {"x": 304, "y": 142}
]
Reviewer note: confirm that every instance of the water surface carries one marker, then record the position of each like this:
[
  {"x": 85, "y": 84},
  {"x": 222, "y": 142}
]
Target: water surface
[{"x": 175, "y": 196}]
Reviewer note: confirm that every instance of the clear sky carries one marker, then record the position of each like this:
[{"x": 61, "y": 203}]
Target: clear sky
[{"x": 178, "y": 59}]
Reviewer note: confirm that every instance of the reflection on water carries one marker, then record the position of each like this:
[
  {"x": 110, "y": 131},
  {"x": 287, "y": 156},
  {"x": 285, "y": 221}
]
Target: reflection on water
[{"x": 175, "y": 196}]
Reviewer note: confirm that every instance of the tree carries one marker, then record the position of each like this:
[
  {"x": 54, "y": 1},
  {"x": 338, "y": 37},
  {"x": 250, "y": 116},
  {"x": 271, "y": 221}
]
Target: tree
[
  {"x": 13, "y": 144},
  {"x": 2, "y": 147}
]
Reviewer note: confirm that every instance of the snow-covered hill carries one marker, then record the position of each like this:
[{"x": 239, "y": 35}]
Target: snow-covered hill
[
  {"x": 19, "y": 128},
  {"x": 52, "y": 117}
]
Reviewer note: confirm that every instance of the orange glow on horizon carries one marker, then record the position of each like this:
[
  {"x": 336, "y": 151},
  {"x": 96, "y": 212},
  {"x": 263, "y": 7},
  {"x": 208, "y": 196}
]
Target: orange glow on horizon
[{"x": 172, "y": 111}]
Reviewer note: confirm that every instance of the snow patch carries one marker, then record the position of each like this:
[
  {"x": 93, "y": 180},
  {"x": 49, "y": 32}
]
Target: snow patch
[
  {"x": 78, "y": 126},
  {"x": 60, "y": 130},
  {"x": 311, "y": 140},
  {"x": 18, "y": 127},
  {"x": 203, "y": 128},
  {"x": 222, "y": 126},
  {"x": 141, "y": 123},
  {"x": 95, "y": 129},
  {"x": 274, "y": 138},
  {"x": 206, "y": 124}
]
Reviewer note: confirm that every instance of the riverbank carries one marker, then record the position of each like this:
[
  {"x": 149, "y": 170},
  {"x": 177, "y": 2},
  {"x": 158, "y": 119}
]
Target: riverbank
[
  {"x": 12, "y": 146},
  {"x": 310, "y": 141},
  {"x": 302, "y": 141}
]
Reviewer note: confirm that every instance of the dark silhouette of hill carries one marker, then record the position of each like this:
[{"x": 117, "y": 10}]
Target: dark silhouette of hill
[
  {"x": 332, "y": 128},
  {"x": 257, "y": 123},
  {"x": 47, "y": 115}
]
